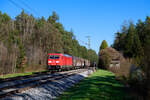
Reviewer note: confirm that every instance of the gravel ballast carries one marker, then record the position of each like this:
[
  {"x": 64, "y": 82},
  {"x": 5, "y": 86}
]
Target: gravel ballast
[{"x": 50, "y": 90}]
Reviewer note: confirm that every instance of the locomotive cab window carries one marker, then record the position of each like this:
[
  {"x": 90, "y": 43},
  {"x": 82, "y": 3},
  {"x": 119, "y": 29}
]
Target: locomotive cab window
[
  {"x": 54, "y": 57},
  {"x": 51, "y": 57}
]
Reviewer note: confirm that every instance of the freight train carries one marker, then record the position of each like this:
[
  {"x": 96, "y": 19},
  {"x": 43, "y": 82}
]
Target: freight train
[{"x": 59, "y": 61}]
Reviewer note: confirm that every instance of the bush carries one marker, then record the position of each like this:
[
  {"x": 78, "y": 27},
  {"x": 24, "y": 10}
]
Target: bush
[{"x": 104, "y": 60}]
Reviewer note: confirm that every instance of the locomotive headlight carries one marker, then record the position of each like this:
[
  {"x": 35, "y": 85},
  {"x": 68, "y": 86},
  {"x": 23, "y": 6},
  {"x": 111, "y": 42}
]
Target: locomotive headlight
[
  {"x": 49, "y": 61},
  {"x": 57, "y": 61}
]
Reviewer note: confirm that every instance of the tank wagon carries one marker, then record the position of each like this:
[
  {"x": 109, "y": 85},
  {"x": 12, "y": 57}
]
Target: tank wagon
[{"x": 59, "y": 61}]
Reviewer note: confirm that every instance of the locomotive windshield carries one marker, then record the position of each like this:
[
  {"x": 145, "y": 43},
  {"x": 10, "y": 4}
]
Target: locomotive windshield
[{"x": 54, "y": 57}]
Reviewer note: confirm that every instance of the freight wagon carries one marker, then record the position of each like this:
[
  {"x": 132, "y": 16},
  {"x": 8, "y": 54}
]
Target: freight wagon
[{"x": 59, "y": 61}]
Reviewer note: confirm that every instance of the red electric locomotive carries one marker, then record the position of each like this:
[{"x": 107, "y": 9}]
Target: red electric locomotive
[{"x": 57, "y": 61}]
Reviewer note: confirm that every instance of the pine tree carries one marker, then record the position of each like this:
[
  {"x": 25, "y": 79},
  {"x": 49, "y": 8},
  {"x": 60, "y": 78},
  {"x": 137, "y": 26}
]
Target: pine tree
[
  {"x": 103, "y": 45},
  {"x": 54, "y": 18},
  {"x": 129, "y": 43},
  {"x": 121, "y": 37}
]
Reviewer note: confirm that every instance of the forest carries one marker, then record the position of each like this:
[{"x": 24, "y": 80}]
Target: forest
[
  {"x": 133, "y": 41},
  {"x": 25, "y": 42}
]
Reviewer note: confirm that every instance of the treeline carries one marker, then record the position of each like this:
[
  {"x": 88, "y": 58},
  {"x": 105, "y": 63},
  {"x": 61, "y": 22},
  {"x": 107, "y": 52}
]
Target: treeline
[
  {"x": 134, "y": 42},
  {"x": 25, "y": 42}
]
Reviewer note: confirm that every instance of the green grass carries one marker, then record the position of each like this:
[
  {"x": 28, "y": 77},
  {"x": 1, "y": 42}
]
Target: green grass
[
  {"x": 99, "y": 86},
  {"x": 18, "y": 74},
  {"x": 15, "y": 75}
]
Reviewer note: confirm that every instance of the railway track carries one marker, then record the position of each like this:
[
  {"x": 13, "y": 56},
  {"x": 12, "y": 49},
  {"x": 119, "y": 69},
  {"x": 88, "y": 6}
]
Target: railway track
[
  {"x": 10, "y": 87},
  {"x": 35, "y": 74}
]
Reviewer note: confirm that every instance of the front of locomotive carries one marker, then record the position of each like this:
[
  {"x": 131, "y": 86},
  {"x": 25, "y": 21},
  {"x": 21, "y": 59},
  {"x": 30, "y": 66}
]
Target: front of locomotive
[{"x": 54, "y": 61}]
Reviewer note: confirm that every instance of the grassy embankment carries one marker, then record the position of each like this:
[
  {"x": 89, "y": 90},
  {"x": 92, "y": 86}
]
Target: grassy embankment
[
  {"x": 99, "y": 86},
  {"x": 29, "y": 70},
  {"x": 18, "y": 74},
  {"x": 15, "y": 75}
]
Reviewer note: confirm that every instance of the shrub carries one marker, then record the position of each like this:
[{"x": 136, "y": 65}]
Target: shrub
[
  {"x": 104, "y": 60},
  {"x": 103, "y": 45}
]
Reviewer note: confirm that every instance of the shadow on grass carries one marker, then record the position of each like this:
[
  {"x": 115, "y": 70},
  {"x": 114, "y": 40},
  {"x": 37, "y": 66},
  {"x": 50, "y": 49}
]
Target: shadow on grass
[{"x": 97, "y": 88}]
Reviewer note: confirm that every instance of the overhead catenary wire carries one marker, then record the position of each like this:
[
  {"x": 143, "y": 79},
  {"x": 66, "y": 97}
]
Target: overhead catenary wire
[
  {"x": 31, "y": 9},
  {"x": 83, "y": 42},
  {"x": 86, "y": 43},
  {"x": 89, "y": 41},
  {"x": 18, "y": 6}
]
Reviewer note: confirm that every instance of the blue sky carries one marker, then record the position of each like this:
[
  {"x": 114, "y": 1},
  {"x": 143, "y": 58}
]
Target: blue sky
[{"x": 99, "y": 19}]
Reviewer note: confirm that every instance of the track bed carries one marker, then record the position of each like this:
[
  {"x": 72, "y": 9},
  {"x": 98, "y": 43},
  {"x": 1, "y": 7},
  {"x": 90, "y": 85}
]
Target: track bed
[{"x": 12, "y": 86}]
